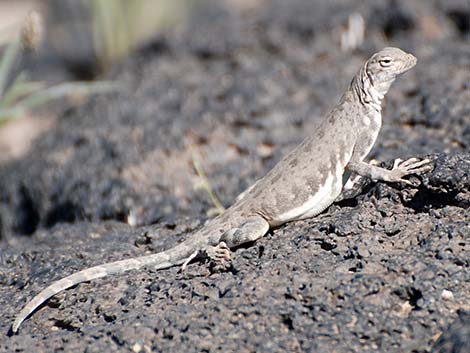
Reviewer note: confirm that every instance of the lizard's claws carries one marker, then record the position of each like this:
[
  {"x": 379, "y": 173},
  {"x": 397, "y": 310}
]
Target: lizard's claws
[
  {"x": 220, "y": 255},
  {"x": 410, "y": 166}
]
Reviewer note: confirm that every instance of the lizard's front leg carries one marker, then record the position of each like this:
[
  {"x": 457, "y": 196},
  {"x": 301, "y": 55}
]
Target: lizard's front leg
[{"x": 399, "y": 170}]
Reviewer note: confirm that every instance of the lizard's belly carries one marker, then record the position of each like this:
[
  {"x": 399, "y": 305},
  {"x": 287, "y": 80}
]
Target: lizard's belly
[{"x": 316, "y": 203}]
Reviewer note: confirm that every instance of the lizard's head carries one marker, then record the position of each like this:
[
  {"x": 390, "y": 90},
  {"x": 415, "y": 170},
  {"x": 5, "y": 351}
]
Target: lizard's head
[{"x": 383, "y": 67}]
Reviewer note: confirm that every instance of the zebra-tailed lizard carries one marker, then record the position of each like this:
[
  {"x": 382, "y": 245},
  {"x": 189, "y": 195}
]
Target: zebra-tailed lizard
[{"x": 303, "y": 184}]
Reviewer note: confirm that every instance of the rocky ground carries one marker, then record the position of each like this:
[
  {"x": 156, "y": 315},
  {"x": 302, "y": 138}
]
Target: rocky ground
[{"x": 238, "y": 87}]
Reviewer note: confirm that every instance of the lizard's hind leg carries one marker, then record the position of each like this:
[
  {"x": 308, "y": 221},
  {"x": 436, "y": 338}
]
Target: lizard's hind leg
[{"x": 252, "y": 229}]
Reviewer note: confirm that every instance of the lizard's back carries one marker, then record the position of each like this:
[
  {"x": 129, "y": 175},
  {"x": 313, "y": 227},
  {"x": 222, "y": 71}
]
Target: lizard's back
[{"x": 310, "y": 177}]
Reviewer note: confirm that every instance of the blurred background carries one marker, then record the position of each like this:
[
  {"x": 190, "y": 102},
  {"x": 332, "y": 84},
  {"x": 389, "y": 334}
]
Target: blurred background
[
  {"x": 59, "y": 49},
  {"x": 58, "y": 42},
  {"x": 86, "y": 36},
  {"x": 80, "y": 38}
]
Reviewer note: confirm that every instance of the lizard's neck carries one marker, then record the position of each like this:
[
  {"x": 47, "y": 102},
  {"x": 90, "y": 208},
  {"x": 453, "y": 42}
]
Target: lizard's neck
[{"x": 370, "y": 96}]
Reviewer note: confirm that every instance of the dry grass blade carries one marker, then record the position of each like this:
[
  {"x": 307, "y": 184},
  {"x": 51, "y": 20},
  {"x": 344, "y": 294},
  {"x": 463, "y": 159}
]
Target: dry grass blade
[
  {"x": 218, "y": 207},
  {"x": 6, "y": 64},
  {"x": 32, "y": 98},
  {"x": 67, "y": 89},
  {"x": 119, "y": 26},
  {"x": 19, "y": 88}
]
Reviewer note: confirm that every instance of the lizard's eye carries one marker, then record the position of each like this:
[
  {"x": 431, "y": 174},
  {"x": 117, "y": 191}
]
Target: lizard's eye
[{"x": 385, "y": 62}]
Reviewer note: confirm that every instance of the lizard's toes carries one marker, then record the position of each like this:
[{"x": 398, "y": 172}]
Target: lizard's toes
[
  {"x": 409, "y": 167},
  {"x": 409, "y": 162},
  {"x": 423, "y": 169},
  {"x": 222, "y": 251},
  {"x": 420, "y": 167},
  {"x": 397, "y": 162},
  {"x": 188, "y": 260},
  {"x": 418, "y": 163},
  {"x": 219, "y": 255},
  {"x": 405, "y": 181}
]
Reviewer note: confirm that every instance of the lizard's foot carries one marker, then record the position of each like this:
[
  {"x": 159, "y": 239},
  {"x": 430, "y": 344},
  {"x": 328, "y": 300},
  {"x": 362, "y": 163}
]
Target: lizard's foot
[
  {"x": 189, "y": 259},
  {"x": 219, "y": 255},
  {"x": 411, "y": 166}
]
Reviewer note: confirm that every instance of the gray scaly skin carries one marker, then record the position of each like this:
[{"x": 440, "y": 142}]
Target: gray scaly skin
[{"x": 303, "y": 184}]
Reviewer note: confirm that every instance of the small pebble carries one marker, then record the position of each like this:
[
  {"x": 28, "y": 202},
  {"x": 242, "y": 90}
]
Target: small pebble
[
  {"x": 137, "y": 347},
  {"x": 447, "y": 295}
]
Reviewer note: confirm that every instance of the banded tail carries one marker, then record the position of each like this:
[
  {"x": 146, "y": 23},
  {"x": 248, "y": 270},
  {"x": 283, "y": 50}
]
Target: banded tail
[{"x": 162, "y": 260}]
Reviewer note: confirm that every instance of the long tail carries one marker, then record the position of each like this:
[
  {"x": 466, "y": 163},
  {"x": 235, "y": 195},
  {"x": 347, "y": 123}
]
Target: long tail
[{"x": 172, "y": 257}]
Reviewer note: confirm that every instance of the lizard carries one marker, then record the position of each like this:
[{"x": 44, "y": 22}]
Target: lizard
[{"x": 301, "y": 185}]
